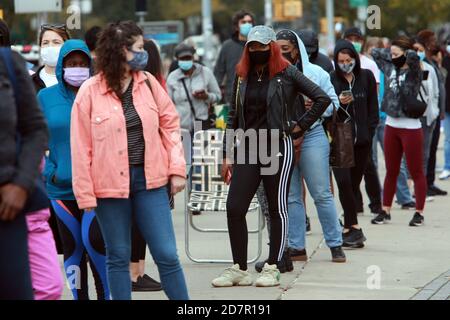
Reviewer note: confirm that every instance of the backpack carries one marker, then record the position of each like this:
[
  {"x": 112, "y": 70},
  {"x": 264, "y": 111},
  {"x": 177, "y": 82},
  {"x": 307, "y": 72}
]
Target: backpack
[{"x": 37, "y": 200}]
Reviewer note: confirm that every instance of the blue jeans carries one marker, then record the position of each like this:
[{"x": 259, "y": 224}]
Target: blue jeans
[
  {"x": 403, "y": 194},
  {"x": 154, "y": 219},
  {"x": 447, "y": 141},
  {"x": 314, "y": 168}
]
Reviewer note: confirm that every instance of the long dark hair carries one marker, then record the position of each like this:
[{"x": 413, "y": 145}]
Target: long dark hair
[
  {"x": 154, "y": 65},
  {"x": 111, "y": 59}
]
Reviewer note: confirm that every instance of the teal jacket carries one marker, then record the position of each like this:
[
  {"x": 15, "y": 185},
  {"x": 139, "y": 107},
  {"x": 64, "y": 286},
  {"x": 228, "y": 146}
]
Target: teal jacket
[{"x": 56, "y": 102}]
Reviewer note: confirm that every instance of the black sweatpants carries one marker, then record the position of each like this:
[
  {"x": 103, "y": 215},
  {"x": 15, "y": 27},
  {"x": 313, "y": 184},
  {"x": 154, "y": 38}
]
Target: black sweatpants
[
  {"x": 348, "y": 181},
  {"x": 15, "y": 277},
  {"x": 244, "y": 183}
]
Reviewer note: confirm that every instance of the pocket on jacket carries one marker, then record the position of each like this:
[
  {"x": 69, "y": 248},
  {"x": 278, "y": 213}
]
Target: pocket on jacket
[{"x": 100, "y": 126}]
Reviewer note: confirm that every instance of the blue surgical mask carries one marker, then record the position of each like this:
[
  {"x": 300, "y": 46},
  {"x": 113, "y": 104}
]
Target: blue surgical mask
[
  {"x": 139, "y": 61},
  {"x": 185, "y": 65},
  {"x": 245, "y": 28},
  {"x": 421, "y": 55}
]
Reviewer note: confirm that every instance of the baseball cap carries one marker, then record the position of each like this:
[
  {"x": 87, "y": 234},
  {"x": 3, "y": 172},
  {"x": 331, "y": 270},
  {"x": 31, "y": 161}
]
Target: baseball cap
[
  {"x": 183, "y": 50},
  {"x": 261, "y": 34}
]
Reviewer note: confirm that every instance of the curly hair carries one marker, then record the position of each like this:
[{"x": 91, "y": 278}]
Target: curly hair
[{"x": 111, "y": 58}]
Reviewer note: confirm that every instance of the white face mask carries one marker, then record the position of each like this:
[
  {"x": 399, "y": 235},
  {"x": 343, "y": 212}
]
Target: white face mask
[
  {"x": 448, "y": 48},
  {"x": 50, "y": 56}
]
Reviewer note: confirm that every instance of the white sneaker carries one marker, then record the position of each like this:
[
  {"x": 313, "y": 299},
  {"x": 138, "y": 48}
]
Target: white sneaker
[
  {"x": 233, "y": 276},
  {"x": 444, "y": 175},
  {"x": 270, "y": 276},
  {"x": 429, "y": 199}
]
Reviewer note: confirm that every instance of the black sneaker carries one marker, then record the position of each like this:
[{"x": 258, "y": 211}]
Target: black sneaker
[
  {"x": 298, "y": 255},
  {"x": 409, "y": 206},
  {"x": 417, "y": 220},
  {"x": 338, "y": 255},
  {"x": 375, "y": 209},
  {"x": 308, "y": 225},
  {"x": 353, "y": 239},
  {"x": 285, "y": 265},
  {"x": 435, "y": 191},
  {"x": 145, "y": 284},
  {"x": 381, "y": 218}
]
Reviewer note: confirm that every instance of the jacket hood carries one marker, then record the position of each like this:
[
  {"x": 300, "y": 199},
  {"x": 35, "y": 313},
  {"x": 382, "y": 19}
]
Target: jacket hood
[
  {"x": 311, "y": 41},
  {"x": 302, "y": 49},
  {"x": 341, "y": 45},
  {"x": 69, "y": 47}
]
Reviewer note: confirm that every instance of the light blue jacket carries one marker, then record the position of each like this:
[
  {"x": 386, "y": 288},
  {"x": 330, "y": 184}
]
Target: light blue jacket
[{"x": 319, "y": 76}]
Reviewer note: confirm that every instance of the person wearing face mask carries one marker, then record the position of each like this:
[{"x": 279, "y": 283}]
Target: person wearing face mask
[
  {"x": 311, "y": 41},
  {"x": 51, "y": 39},
  {"x": 79, "y": 230},
  {"x": 357, "y": 91},
  {"x": 266, "y": 93},
  {"x": 313, "y": 165},
  {"x": 126, "y": 150},
  {"x": 373, "y": 184},
  {"x": 403, "y": 135},
  {"x": 428, "y": 40},
  {"x": 231, "y": 52},
  {"x": 429, "y": 93},
  {"x": 192, "y": 87}
]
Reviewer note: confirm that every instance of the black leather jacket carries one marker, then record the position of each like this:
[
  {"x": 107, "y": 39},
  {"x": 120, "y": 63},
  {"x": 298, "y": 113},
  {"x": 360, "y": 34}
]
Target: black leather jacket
[{"x": 285, "y": 104}]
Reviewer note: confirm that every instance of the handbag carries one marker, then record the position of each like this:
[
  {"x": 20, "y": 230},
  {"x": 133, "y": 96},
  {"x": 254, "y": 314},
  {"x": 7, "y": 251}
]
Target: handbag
[
  {"x": 207, "y": 124},
  {"x": 411, "y": 106},
  {"x": 38, "y": 198},
  {"x": 342, "y": 142}
]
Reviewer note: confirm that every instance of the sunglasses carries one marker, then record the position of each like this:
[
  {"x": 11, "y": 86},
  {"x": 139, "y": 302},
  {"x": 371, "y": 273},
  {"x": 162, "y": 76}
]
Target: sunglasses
[{"x": 49, "y": 26}]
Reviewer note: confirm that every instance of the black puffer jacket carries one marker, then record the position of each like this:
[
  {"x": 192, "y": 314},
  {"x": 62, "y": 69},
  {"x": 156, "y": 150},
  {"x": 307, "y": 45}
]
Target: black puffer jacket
[
  {"x": 311, "y": 42},
  {"x": 284, "y": 102}
]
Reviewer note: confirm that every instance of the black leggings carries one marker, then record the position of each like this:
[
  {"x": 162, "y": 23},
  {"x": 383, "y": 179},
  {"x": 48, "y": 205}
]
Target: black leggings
[
  {"x": 244, "y": 183},
  {"x": 348, "y": 181}
]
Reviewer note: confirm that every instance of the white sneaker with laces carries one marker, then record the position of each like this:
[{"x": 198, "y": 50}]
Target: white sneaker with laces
[
  {"x": 233, "y": 276},
  {"x": 269, "y": 277},
  {"x": 444, "y": 175}
]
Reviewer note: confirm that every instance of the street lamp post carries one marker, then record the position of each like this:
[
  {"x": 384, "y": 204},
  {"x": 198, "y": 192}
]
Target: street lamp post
[
  {"x": 330, "y": 21},
  {"x": 207, "y": 28},
  {"x": 268, "y": 12}
]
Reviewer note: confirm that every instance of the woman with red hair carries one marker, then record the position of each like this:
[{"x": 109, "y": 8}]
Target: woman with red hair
[{"x": 267, "y": 113}]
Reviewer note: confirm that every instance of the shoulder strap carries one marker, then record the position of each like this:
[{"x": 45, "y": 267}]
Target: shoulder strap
[
  {"x": 6, "y": 55},
  {"x": 148, "y": 83},
  {"x": 188, "y": 97}
]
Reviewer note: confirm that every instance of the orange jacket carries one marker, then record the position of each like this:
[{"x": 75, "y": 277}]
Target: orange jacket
[{"x": 99, "y": 144}]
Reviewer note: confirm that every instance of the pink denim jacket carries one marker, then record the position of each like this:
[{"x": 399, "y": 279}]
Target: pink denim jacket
[{"x": 99, "y": 146}]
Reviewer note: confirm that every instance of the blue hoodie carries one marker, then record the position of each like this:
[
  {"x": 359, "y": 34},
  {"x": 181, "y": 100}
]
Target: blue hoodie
[{"x": 56, "y": 102}]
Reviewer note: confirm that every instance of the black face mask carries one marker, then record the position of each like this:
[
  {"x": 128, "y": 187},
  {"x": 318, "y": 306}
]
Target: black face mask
[
  {"x": 288, "y": 57},
  {"x": 399, "y": 62},
  {"x": 259, "y": 57}
]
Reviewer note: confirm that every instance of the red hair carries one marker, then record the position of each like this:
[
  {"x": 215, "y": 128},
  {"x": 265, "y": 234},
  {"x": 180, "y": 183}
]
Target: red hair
[{"x": 277, "y": 62}]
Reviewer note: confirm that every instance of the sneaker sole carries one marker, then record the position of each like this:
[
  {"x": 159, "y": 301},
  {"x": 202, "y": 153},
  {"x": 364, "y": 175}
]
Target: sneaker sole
[
  {"x": 146, "y": 289},
  {"x": 299, "y": 258},
  {"x": 258, "y": 285},
  {"x": 354, "y": 246},
  {"x": 339, "y": 260}
]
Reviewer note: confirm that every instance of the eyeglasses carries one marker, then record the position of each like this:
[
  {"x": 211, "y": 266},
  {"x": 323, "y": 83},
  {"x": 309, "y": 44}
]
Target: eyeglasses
[{"x": 49, "y": 26}]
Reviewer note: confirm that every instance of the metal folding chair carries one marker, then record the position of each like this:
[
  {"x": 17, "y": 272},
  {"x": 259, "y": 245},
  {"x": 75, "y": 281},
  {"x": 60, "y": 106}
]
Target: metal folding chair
[{"x": 206, "y": 191}]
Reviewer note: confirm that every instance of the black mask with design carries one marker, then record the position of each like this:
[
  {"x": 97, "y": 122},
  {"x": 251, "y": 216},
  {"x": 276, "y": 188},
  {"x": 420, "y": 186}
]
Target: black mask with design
[
  {"x": 259, "y": 57},
  {"x": 399, "y": 62}
]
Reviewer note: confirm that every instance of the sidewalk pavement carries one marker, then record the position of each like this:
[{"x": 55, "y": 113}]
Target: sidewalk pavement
[{"x": 398, "y": 263}]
